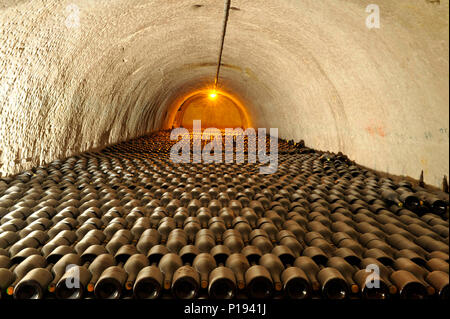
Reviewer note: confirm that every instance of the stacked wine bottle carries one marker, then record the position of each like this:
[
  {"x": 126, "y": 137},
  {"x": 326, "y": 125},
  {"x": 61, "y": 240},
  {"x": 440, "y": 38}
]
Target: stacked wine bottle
[{"x": 127, "y": 222}]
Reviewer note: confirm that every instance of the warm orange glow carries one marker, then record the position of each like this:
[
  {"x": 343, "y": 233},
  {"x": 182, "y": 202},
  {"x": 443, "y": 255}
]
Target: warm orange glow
[
  {"x": 167, "y": 285},
  {"x": 213, "y": 95},
  {"x": 278, "y": 286},
  {"x": 355, "y": 289},
  {"x": 210, "y": 92},
  {"x": 129, "y": 285},
  {"x": 10, "y": 291},
  {"x": 392, "y": 290}
]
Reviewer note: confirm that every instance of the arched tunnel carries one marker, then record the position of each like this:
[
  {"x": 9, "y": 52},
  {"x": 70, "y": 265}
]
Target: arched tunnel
[{"x": 89, "y": 91}]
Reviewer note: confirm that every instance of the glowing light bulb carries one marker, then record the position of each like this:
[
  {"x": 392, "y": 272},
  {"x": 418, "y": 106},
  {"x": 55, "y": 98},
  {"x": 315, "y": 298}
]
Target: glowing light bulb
[{"x": 213, "y": 95}]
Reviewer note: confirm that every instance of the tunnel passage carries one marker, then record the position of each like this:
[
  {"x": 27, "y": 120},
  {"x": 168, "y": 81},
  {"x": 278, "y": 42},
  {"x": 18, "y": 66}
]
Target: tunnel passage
[
  {"x": 85, "y": 76},
  {"x": 213, "y": 109},
  {"x": 77, "y": 77}
]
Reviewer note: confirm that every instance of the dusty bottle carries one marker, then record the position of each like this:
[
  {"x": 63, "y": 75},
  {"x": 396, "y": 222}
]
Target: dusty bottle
[
  {"x": 268, "y": 226},
  {"x": 204, "y": 263},
  {"x": 141, "y": 225},
  {"x": 222, "y": 281},
  {"x": 409, "y": 199},
  {"x": 215, "y": 206},
  {"x": 257, "y": 278},
  {"x": 73, "y": 283},
  {"x": 239, "y": 264},
  {"x": 22, "y": 269},
  {"x": 346, "y": 270},
  {"x": 439, "y": 280},
  {"x": 391, "y": 197},
  {"x": 333, "y": 283},
  {"x": 59, "y": 252},
  {"x": 243, "y": 227},
  {"x": 296, "y": 284},
  {"x": 217, "y": 226},
  {"x": 316, "y": 254},
  {"x": 348, "y": 255},
  {"x": 191, "y": 227},
  {"x": 371, "y": 284},
  {"x": 248, "y": 214},
  {"x": 408, "y": 254},
  {"x": 310, "y": 268},
  {"x": 97, "y": 267},
  {"x": 233, "y": 240},
  {"x": 149, "y": 281},
  {"x": 296, "y": 229},
  {"x": 274, "y": 265},
  {"x": 204, "y": 215},
  {"x": 434, "y": 264},
  {"x": 111, "y": 282},
  {"x": 260, "y": 239},
  {"x": 430, "y": 244},
  {"x": 180, "y": 215},
  {"x": 148, "y": 239},
  {"x": 34, "y": 239},
  {"x": 165, "y": 226},
  {"x": 132, "y": 267},
  {"x": 177, "y": 239},
  {"x": 418, "y": 272},
  {"x": 227, "y": 215},
  {"x": 186, "y": 280},
  {"x": 437, "y": 205},
  {"x": 400, "y": 242},
  {"x": 408, "y": 285},
  {"x": 60, "y": 267},
  {"x": 34, "y": 284},
  {"x": 93, "y": 237}
]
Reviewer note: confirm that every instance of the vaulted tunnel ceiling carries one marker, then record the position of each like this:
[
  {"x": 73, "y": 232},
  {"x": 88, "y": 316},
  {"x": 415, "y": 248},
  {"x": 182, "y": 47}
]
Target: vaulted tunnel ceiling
[{"x": 310, "y": 68}]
